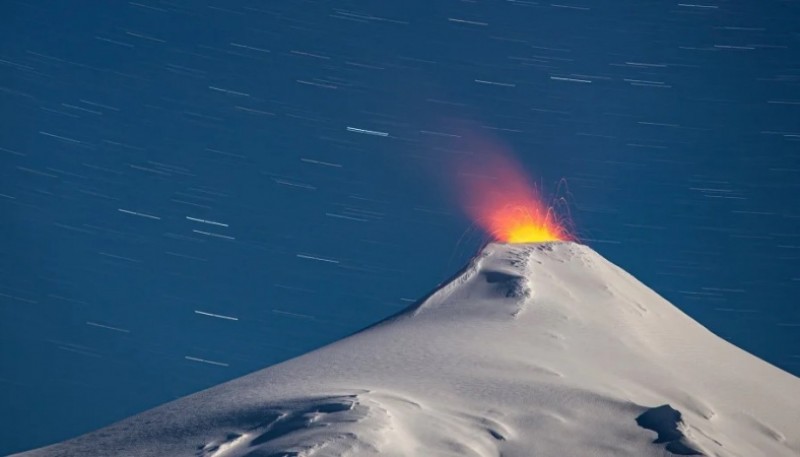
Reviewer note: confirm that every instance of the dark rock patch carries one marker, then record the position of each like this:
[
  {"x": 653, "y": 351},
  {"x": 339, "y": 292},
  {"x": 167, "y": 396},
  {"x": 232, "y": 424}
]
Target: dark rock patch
[{"x": 664, "y": 420}]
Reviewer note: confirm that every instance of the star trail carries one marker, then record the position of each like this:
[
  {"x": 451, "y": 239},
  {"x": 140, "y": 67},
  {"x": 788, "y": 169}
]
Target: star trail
[{"x": 193, "y": 190}]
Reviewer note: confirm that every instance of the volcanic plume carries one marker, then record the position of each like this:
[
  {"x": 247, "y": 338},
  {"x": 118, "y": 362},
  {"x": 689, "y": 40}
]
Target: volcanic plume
[{"x": 495, "y": 193}]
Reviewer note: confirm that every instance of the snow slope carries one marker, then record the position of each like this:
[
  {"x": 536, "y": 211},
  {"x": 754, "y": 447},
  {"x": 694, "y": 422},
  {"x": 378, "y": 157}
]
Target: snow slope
[{"x": 532, "y": 350}]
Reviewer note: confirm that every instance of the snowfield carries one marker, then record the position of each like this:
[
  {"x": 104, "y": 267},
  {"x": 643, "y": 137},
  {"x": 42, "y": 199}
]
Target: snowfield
[{"x": 532, "y": 350}]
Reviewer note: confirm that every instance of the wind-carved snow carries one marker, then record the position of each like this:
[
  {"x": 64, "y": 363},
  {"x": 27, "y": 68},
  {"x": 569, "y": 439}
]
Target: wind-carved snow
[{"x": 543, "y": 349}]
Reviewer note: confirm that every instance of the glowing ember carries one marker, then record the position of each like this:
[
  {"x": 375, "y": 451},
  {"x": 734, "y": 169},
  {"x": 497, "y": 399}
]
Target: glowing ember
[{"x": 500, "y": 199}]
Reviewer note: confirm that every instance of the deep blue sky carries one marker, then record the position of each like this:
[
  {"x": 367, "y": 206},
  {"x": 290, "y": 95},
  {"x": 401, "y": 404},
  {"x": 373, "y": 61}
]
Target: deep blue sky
[{"x": 676, "y": 127}]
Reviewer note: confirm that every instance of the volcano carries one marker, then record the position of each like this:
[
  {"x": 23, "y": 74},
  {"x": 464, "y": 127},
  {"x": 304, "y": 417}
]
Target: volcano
[{"x": 531, "y": 350}]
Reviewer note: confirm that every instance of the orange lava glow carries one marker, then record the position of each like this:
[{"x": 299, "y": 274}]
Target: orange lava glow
[
  {"x": 525, "y": 222},
  {"x": 500, "y": 199}
]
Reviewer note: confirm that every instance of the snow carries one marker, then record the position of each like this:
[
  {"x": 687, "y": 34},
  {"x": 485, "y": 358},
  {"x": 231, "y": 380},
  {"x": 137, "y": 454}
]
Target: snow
[{"x": 531, "y": 350}]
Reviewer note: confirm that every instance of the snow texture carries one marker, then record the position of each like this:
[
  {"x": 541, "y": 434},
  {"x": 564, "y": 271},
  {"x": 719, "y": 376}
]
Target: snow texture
[{"x": 531, "y": 350}]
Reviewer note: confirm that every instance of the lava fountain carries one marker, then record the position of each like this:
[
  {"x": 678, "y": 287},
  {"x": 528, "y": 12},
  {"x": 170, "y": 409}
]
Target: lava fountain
[{"x": 496, "y": 194}]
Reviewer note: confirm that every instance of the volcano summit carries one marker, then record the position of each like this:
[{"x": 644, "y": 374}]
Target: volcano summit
[{"x": 531, "y": 350}]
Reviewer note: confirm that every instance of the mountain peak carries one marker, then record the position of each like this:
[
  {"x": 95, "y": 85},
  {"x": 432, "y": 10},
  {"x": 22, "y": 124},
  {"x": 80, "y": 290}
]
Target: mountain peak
[
  {"x": 505, "y": 277},
  {"x": 532, "y": 349}
]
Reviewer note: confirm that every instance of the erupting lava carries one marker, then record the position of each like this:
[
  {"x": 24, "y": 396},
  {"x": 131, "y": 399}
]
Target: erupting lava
[
  {"x": 522, "y": 222},
  {"x": 498, "y": 197}
]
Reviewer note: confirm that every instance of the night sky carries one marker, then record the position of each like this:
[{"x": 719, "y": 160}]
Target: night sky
[{"x": 194, "y": 190}]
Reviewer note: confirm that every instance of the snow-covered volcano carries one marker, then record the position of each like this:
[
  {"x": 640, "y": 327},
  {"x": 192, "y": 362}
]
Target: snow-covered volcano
[{"x": 531, "y": 350}]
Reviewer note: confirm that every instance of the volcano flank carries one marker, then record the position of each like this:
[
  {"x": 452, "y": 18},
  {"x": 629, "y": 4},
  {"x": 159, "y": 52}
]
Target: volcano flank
[{"x": 541, "y": 349}]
